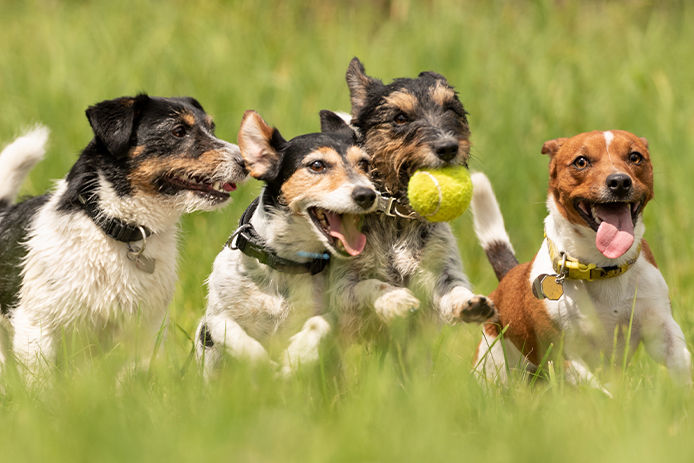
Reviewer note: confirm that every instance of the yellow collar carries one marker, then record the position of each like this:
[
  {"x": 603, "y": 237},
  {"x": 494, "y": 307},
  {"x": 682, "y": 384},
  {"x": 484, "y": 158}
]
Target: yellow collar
[{"x": 574, "y": 269}]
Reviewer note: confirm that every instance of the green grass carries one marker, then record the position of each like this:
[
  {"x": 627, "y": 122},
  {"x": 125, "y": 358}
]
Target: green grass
[{"x": 526, "y": 71}]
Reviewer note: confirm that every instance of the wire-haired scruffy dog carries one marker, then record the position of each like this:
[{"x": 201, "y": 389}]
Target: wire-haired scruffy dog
[
  {"x": 406, "y": 125},
  {"x": 271, "y": 272},
  {"x": 100, "y": 249}
]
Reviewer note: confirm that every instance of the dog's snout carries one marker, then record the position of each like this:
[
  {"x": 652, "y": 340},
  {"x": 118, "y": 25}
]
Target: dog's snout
[
  {"x": 446, "y": 150},
  {"x": 619, "y": 184},
  {"x": 364, "y": 196}
]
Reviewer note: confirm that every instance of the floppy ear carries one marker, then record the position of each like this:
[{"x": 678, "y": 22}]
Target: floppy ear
[
  {"x": 433, "y": 75},
  {"x": 644, "y": 141},
  {"x": 112, "y": 122},
  {"x": 358, "y": 83},
  {"x": 260, "y": 146},
  {"x": 332, "y": 122},
  {"x": 551, "y": 147}
]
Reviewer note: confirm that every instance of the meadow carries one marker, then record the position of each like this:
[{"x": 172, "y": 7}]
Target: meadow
[{"x": 526, "y": 72}]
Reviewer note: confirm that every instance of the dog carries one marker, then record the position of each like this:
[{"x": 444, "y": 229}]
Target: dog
[
  {"x": 404, "y": 126},
  {"x": 594, "y": 284},
  {"x": 271, "y": 271},
  {"x": 100, "y": 249}
]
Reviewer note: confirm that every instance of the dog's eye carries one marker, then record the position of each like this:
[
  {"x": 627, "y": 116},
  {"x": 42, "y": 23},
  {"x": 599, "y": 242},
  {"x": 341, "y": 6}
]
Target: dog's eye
[
  {"x": 317, "y": 166},
  {"x": 635, "y": 157},
  {"x": 179, "y": 131},
  {"x": 581, "y": 162},
  {"x": 400, "y": 118},
  {"x": 363, "y": 165}
]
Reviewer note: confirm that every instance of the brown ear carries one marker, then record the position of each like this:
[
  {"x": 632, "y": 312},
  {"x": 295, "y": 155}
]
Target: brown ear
[
  {"x": 358, "y": 83},
  {"x": 644, "y": 141},
  {"x": 260, "y": 146},
  {"x": 551, "y": 147}
]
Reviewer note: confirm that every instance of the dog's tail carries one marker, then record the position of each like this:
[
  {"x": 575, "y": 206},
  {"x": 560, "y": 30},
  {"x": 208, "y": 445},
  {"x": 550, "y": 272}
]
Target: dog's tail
[
  {"x": 489, "y": 226},
  {"x": 17, "y": 159}
]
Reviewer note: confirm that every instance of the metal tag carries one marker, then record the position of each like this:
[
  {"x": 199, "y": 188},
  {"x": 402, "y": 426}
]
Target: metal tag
[
  {"x": 548, "y": 287},
  {"x": 144, "y": 263}
]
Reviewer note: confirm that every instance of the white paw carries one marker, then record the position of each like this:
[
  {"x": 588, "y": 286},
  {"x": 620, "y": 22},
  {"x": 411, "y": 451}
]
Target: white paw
[
  {"x": 304, "y": 346},
  {"x": 396, "y": 302}
]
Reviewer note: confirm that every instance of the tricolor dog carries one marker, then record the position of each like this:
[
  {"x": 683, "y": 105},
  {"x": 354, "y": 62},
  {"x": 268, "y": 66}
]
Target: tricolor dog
[
  {"x": 100, "y": 249},
  {"x": 272, "y": 271},
  {"x": 594, "y": 285},
  {"x": 406, "y": 125}
]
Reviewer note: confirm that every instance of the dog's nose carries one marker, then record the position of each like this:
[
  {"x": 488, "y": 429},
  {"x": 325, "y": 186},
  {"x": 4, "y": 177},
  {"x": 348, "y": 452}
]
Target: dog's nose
[
  {"x": 619, "y": 184},
  {"x": 446, "y": 150},
  {"x": 364, "y": 196}
]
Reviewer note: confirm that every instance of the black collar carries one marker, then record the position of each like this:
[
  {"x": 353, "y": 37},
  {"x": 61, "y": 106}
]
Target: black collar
[
  {"x": 113, "y": 227},
  {"x": 253, "y": 245}
]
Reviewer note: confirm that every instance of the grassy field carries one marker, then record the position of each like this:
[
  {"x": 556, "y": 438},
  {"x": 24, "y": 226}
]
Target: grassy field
[{"x": 526, "y": 72}]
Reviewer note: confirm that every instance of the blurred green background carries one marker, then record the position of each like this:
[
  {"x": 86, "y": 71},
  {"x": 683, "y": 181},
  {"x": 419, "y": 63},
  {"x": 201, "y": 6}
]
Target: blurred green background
[{"x": 526, "y": 71}]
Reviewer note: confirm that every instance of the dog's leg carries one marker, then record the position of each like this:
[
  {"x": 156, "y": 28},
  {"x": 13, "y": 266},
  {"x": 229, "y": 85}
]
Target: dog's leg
[
  {"x": 304, "y": 346},
  {"x": 387, "y": 301},
  {"x": 33, "y": 343},
  {"x": 577, "y": 372},
  {"x": 664, "y": 341},
  {"x": 219, "y": 334},
  {"x": 442, "y": 270}
]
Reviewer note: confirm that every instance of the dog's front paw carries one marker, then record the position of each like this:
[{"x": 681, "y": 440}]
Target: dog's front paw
[
  {"x": 477, "y": 309},
  {"x": 396, "y": 302}
]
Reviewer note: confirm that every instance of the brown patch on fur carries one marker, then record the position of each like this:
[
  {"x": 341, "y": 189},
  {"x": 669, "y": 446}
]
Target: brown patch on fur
[
  {"x": 403, "y": 100},
  {"x": 390, "y": 155},
  {"x": 529, "y": 327},
  {"x": 188, "y": 118},
  {"x": 567, "y": 183},
  {"x": 442, "y": 93},
  {"x": 355, "y": 155},
  {"x": 305, "y": 184},
  {"x": 143, "y": 177},
  {"x": 647, "y": 253},
  {"x": 135, "y": 151},
  {"x": 209, "y": 120}
]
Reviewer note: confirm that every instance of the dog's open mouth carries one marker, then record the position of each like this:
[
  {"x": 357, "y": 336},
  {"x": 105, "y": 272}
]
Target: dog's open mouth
[
  {"x": 613, "y": 223},
  {"x": 213, "y": 190},
  {"x": 341, "y": 230}
]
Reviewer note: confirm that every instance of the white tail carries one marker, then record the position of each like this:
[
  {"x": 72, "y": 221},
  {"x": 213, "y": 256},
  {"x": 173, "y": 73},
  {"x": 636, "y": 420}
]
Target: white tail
[
  {"x": 17, "y": 159},
  {"x": 489, "y": 226}
]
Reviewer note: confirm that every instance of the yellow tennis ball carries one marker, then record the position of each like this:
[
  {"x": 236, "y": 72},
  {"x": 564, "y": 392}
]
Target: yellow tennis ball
[{"x": 440, "y": 195}]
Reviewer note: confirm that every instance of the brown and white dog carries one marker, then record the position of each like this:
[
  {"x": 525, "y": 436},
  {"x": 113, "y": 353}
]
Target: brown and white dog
[{"x": 593, "y": 285}]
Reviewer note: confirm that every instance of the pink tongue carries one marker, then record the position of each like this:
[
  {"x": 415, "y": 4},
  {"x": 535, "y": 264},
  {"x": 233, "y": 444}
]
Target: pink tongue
[
  {"x": 616, "y": 232},
  {"x": 345, "y": 229},
  {"x": 229, "y": 186}
]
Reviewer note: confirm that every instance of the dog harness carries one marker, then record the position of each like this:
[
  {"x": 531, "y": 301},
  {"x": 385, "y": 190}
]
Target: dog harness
[
  {"x": 552, "y": 286},
  {"x": 247, "y": 240}
]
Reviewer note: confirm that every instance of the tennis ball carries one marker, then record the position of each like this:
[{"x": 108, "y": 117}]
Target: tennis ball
[{"x": 440, "y": 195}]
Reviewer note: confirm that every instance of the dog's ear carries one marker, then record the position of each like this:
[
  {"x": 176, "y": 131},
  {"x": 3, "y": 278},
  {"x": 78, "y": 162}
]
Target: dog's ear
[
  {"x": 112, "y": 122},
  {"x": 433, "y": 75},
  {"x": 332, "y": 122},
  {"x": 551, "y": 147},
  {"x": 260, "y": 147},
  {"x": 358, "y": 83},
  {"x": 644, "y": 141}
]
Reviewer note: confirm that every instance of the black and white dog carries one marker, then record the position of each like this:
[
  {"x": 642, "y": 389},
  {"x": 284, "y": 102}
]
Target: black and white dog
[
  {"x": 100, "y": 249},
  {"x": 271, "y": 272}
]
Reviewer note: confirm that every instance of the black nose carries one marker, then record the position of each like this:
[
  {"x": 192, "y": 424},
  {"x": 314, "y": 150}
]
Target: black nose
[
  {"x": 446, "y": 150},
  {"x": 619, "y": 184},
  {"x": 364, "y": 196}
]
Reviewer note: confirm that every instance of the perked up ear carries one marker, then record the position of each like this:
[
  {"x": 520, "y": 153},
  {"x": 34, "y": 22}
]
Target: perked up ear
[
  {"x": 260, "y": 146},
  {"x": 332, "y": 122},
  {"x": 552, "y": 146},
  {"x": 358, "y": 83},
  {"x": 112, "y": 122}
]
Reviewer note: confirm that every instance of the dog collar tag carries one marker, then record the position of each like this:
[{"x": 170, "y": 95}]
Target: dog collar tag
[
  {"x": 548, "y": 287},
  {"x": 144, "y": 263}
]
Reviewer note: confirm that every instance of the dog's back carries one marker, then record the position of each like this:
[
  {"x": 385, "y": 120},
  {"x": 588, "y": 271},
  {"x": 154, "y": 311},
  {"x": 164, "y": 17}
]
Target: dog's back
[{"x": 16, "y": 160}]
